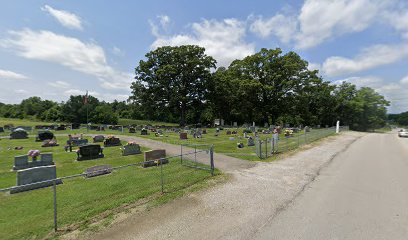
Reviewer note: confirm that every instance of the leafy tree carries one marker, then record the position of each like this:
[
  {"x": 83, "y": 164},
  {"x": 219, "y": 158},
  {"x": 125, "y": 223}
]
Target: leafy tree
[
  {"x": 171, "y": 81},
  {"x": 75, "y": 110},
  {"x": 370, "y": 110},
  {"x": 104, "y": 114}
]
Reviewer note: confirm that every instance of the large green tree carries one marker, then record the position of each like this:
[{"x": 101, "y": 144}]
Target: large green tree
[{"x": 171, "y": 82}]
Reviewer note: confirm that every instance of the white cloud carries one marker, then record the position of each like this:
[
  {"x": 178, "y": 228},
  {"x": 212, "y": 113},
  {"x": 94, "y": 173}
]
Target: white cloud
[
  {"x": 400, "y": 22},
  {"x": 88, "y": 58},
  {"x": 59, "y": 84},
  {"x": 117, "y": 51},
  {"x": 9, "y": 75},
  {"x": 283, "y": 27},
  {"x": 314, "y": 66},
  {"x": 164, "y": 20},
  {"x": 368, "y": 81},
  {"x": 224, "y": 40},
  {"x": 65, "y": 18},
  {"x": 321, "y": 19},
  {"x": 404, "y": 81},
  {"x": 21, "y": 91},
  {"x": 369, "y": 58}
]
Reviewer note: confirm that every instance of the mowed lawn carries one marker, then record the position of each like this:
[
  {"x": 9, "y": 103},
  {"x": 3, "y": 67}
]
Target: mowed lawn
[
  {"x": 222, "y": 143},
  {"x": 79, "y": 200}
]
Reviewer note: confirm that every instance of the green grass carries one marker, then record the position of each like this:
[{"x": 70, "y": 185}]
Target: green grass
[
  {"x": 83, "y": 201},
  {"x": 222, "y": 143}
]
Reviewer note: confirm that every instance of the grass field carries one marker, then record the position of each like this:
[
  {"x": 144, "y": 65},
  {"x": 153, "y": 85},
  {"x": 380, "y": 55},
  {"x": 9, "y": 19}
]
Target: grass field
[
  {"x": 222, "y": 143},
  {"x": 29, "y": 215}
]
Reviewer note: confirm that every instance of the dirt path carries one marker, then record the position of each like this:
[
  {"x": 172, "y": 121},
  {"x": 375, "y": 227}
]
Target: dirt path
[
  {"x": 222, "y": 162},
  {"x": 237, "y": 209}
]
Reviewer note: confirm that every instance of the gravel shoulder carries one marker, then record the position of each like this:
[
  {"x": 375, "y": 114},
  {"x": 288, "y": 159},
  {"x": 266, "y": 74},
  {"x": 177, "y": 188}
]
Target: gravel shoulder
[{"x": 253, "y": 196}]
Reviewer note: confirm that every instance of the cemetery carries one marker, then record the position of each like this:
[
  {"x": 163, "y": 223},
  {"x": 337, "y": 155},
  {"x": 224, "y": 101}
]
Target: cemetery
[{"x": 32, "y": 205}]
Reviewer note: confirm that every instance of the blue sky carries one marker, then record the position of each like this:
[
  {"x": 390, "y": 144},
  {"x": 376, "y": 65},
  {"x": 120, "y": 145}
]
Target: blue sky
[{"x": 54, "y": 49}]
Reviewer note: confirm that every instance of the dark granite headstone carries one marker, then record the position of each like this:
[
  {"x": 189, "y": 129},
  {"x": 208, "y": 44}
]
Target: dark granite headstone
[
  {"x": 111, "y": 141},
  {"x": 1, "y": 129},
  {"x": 143, "y": 132},
  {"x": 98, "y": 170},
  {"x": 44, "y": 136},
  {"x": 183, "y": 136},
  {"x": 98, "y": 138},
  {"x": 19, "y": 133},
  {"x": 132, "y": 130},
  {"x": 90, "y": 151},
  {"x": 228, "y": 132},
  {"x": 78, "y": 142}
]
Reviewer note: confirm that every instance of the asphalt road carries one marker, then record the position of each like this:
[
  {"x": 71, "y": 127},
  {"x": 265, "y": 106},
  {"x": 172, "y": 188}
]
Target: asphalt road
[{"x": 362, "y": 194}]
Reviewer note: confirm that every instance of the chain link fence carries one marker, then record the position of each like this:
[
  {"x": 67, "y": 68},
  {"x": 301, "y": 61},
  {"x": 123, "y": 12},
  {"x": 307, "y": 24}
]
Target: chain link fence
[
  {"x": 266, "y": 147},
  {"x": 82, "y": 199}
]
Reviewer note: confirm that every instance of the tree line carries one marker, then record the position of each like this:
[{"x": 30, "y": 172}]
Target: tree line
[
  {"x": 74, "y": 110},
  {"x": 182, "y": 85}
]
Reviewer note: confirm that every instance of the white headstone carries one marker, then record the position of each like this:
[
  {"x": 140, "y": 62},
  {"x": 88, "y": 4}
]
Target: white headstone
[{"x": 338, "y": 127}]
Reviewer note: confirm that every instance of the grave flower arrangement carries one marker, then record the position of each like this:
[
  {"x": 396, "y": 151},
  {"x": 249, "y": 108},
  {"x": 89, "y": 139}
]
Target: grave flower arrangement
[
  {"x": 132, "y": 143},
  {"x": 34, "y": 154}
]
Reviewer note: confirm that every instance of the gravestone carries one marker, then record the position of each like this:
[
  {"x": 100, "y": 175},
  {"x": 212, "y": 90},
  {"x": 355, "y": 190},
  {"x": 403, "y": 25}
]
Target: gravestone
[
  {"x": 1, "y": 129},
  {"x": 111, "y": 141},
  {"x": 228, "y": 132},
  {"x": 90, "y": 151},
  {"x": 143, "y": 132},
  {"x": 77, "y": 142},
  {"x": 234, "y": 132},
  {"x": 231, "y": 138},
  {"x": 132, "y": 130},
  {"x": 61, "y": 128},
  {"x": 154, "y": 158},
  {"x": 35, "y": 177},
  {"x": 235, "y": 124},
  {"x": 183, "y": 136},
  {"x": 98, "y": 170},
  {"x": 131, "y": 149},
  {"x": 22, "y": 162},
  {"x": 307, "y": 129},
  {"x": 252, "y": 128},
  {"x": 98, "y": 138},
  {"x": 19, "y": 133},
  {"x": 204, "y": 131},
  {"x": 250, "y": 142},
  {"x": 41, "y": 136},
  {"x": 49, "y": 143}
]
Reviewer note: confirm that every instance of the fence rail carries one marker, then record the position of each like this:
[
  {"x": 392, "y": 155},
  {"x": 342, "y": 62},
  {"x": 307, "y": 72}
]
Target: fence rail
[
  {"x": 197, "y": 159},
  {"x": 267, "y": 147}
]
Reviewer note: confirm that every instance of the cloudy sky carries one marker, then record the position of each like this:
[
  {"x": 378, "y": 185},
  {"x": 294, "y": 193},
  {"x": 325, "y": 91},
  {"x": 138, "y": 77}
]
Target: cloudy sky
[{"x": 54, "y": 49}]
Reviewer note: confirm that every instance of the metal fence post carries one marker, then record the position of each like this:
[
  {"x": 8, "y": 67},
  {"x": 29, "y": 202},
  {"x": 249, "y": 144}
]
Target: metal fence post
[
  {"x": 212, "y": 159},
  {"x": 181, "y": 154},
  {"x": 305, "y": 137},
  {"x": 195, "y": 154},
  {"x": 161, "y": 175},
  {"x": 266, "y": 148},
  {"x": 55, "y": 204}
]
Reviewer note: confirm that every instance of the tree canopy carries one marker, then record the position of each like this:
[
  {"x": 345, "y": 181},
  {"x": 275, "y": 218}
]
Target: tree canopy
[{"x": 181, "y": 84}]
